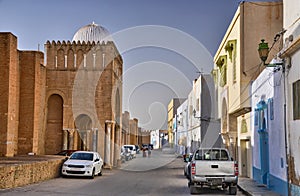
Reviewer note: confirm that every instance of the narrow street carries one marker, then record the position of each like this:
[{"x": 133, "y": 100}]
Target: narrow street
[{"x": 160, "y": 174}]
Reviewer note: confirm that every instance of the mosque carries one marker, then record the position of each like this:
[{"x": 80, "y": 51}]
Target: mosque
[{"x": 68, "y": 97}]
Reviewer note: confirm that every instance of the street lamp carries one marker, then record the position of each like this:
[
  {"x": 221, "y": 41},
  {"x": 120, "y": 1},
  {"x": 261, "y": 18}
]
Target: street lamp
[{"x": 263, "y": 51}]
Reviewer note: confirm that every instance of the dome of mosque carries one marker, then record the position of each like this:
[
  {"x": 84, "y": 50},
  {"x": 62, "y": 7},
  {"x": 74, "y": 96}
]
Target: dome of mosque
[{"x": 92, "y": 32}]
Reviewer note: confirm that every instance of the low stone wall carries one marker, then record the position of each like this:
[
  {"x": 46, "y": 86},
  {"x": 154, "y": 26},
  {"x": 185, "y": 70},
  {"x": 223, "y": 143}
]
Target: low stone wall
[{"x": 20, "y": 173}]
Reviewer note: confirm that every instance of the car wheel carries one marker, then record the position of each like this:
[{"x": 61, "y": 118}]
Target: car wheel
[
  {"x": 93, "y": 174},
  {"x": 193, "y": 189},
  {"x": 232, "y": 190},
  {"x": 100, "y": 173}
]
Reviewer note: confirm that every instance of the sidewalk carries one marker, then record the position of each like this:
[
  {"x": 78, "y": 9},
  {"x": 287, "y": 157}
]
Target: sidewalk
[{"x": 250, "y": 187}]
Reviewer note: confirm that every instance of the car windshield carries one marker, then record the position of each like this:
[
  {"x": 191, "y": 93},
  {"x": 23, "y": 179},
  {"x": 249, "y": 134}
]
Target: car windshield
[
  {"x": 214, "y": 154},
  {"x": 82, "y": 156},
  {"x": 130, "y": 147}
]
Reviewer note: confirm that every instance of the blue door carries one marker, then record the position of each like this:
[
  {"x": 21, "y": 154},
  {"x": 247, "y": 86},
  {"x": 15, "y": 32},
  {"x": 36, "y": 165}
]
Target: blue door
[{"x": 263, "y": 141}]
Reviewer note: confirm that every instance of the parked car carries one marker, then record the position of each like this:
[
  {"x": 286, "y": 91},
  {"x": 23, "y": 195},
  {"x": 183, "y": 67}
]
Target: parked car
[
  {"x": 132, "y": 149},
  {"x": 125, "y": 154},
  {"x": 213, "y": 167},
  {"x": 83, "y": 163}
]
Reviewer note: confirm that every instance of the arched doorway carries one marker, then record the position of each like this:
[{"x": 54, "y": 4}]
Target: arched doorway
[
  {"x": 83, "y": 125},
  {"x": 53, "y": 135}
]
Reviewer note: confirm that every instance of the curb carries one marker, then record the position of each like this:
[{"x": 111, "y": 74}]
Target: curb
[{"x": 244, "y": 191}]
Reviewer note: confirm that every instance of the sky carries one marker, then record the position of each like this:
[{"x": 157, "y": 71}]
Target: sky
[{"x": 164, "y": 43}]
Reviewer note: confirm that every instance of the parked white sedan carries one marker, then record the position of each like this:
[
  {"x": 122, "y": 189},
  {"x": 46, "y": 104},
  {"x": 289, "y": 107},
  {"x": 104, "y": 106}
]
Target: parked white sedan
[{"x": 83, "y": 163}]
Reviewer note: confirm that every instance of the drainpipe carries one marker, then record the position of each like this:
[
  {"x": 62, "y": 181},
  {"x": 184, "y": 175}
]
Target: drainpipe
[{"x": 285, "y": 129}]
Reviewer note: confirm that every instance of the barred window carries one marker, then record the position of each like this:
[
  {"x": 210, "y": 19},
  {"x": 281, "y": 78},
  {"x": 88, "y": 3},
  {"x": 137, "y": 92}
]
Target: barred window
[
  {"x": 296, "y": 100},
  {"x": 271, "y": 108}
]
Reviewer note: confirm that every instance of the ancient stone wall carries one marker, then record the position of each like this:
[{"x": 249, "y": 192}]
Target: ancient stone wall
[{"x": 9, "y": 91}]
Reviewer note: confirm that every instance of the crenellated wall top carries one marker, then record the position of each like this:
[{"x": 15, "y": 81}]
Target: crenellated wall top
[
  {"x": 78, "y": 43},
  {"x": 108, "y": 46}
]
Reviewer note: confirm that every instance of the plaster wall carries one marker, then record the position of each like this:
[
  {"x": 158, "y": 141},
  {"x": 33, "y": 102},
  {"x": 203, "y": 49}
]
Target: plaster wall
[
  {"x": 291, "y": 24},
  {"x": 183, "y": 136},
  {"x": 267, "y": 86}
]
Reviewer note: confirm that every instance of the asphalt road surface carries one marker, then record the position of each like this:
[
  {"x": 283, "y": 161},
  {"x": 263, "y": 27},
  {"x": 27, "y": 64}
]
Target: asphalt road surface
[{"x": 159, "y": 174}]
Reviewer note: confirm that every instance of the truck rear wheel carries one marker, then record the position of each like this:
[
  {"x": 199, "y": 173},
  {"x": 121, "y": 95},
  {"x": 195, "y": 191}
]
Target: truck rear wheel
[
  {"x": 232, "y": 190},
  {"x": 193, "y": 189}
]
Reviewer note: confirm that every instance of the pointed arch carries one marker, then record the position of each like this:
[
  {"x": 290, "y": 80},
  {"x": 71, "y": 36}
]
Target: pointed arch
[{"x": 53, "y": 135}]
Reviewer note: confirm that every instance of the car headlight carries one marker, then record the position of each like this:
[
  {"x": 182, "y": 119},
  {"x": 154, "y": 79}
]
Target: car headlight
[
  {"x": 89, "y": 166},
  {"x": 65, "y": 165}
]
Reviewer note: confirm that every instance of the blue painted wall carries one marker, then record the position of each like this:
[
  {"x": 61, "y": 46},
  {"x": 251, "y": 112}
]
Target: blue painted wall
[
  {"x": 269, "y": 161},
  {"x": 275, "y": 184}
]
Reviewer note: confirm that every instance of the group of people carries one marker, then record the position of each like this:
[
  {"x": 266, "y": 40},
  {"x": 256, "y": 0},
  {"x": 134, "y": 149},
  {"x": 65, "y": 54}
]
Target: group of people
[{"x": 144, "y": 152}]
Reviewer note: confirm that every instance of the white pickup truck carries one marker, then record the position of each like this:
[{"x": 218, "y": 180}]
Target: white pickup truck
[{"x": 213, "y": 167}]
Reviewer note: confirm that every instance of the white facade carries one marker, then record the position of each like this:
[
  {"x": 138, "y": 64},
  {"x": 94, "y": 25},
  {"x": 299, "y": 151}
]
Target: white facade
[
  {"x": 291, "y": 53},
  {"x": 183, "y": 137},
  {"x": 154, "y": 138},
  {"x": 194, "y": 123},
  {"x": 202, "y": 124},
  {"x": 267, "y": 124}
]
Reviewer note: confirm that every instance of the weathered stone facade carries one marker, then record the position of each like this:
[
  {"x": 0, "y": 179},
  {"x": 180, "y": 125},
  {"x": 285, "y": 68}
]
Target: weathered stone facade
[
  {"x": 73, "y": 102},
  {"x": 130, "y": 128}
]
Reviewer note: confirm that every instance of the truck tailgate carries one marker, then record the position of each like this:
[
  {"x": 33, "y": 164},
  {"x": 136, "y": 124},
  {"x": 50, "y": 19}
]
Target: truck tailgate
[{"x": 215, "y": 168}]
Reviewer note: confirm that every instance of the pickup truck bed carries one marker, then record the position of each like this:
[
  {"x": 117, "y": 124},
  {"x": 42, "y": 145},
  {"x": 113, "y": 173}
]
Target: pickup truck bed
[{"x": 213, "y": 167}]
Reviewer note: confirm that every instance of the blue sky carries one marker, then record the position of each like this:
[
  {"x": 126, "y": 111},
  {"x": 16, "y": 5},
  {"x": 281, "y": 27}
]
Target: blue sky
[
  {"x": 35, "y": 21},
  {"x": 206, "y": 21}
]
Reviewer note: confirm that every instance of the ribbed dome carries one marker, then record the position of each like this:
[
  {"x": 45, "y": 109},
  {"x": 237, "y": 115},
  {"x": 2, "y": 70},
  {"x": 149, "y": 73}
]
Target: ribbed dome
[{"x": 92, "y": 32}]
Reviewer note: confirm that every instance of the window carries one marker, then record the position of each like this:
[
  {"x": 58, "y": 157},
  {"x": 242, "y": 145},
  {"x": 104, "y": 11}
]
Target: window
[
  {"x": 244, "y": 128},
  {"x": 211, "y": 154},
  {"x": 222, "y": 65},
  {"x": 271, "y": 108},
  {"x": 230, "y": 48},
  {"x": 296, "y": 100},
  {"x": 256, "y": 117}
]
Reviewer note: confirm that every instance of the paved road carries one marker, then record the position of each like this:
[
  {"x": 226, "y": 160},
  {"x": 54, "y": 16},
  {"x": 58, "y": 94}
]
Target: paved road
[{"x": 160, "y": 174}]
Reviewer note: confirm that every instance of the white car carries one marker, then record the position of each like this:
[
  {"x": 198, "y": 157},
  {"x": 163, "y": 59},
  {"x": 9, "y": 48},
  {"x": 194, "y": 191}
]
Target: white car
[
  {"x": 83, "y": 163},
  {"x": 132, "y": 149}
]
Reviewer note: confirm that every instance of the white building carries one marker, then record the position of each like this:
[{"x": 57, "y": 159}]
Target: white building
[
  {"x": 267, "y": 124},
  {"x": 183, "y": 137},
  {"x": 202, "y": 114},
  {"x": 291, "y": 54}
]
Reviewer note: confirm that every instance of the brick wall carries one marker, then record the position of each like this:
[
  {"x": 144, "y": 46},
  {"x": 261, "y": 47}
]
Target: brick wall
[
  {"x": 9, "y": 91},
  {"x": 96, "y": 70},
  {"x": 31, "y": 112}
]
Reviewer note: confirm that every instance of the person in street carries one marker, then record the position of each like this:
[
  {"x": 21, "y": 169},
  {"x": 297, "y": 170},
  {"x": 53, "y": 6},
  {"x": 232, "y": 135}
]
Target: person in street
[
  {"x": 144, "y": 152},
  {"x": 149, "y": 152}
]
